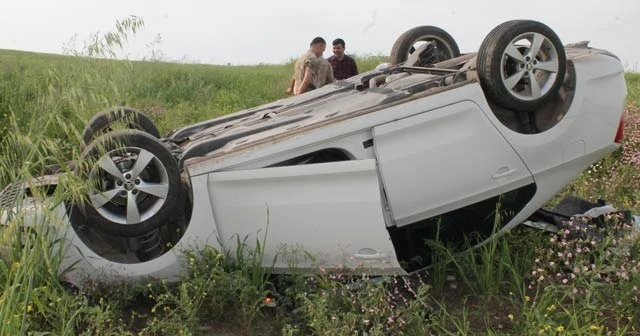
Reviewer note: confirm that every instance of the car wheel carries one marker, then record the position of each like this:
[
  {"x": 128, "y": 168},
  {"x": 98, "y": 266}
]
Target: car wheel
[
  {"x": 521, "y": 64},
  {"x": 441, "y": 45},
  {"x": 134, "y": 183},
  {"x": 127, "y": 117}
]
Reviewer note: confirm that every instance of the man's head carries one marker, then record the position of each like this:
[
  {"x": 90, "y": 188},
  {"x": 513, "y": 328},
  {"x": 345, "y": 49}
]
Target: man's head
[
  {"x": 317, "y": 46},
  {"x": 338, "y": 48}
]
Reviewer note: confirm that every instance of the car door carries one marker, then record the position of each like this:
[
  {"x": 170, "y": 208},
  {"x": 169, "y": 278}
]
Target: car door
[
  {"x": 325, "y": 215},
  {"x": 442, "y": 160}
]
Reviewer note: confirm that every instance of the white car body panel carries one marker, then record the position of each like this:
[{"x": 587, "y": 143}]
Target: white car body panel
[
  {"x": 331, "y": 210},
  {"x": 444, "y": 159}
]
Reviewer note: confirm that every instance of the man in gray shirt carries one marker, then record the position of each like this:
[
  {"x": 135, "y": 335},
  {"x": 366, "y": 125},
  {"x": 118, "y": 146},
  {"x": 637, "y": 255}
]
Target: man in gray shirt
[{"x": 311, "y": 70}]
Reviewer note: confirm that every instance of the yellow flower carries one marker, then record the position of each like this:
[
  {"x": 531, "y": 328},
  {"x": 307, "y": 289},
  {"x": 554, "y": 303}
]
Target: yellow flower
[
  {"x": 29, "y": 308},
  {"x": 551, "y": 308},
  {"x": 511, "y": 317},
  {"x": 560, "y": 329},
  {"x": 527, "y": 298}
]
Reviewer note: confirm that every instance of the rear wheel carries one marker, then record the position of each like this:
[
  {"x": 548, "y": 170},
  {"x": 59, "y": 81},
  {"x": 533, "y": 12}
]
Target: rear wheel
[
  {"x": 521, "y": 64},
  {"x": 134, "y": 183},
  {"x": 440, "y": 46}
]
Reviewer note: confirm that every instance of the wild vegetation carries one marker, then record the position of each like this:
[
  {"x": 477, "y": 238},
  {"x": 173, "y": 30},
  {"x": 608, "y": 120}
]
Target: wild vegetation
[{"x": 526, "y": 282}]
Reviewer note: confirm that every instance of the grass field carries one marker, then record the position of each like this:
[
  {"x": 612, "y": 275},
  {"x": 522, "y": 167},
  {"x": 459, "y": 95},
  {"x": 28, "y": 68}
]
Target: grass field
[{"x": 525, "y": 283}]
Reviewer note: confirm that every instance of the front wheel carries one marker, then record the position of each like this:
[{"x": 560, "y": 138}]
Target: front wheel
[{"x": 134, "y": 183}]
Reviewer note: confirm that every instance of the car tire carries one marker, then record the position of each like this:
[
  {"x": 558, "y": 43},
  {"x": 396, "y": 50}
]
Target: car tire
[
  {"x": 521, "y": 65},
  {"x": 134, "y": 184},
  {"x": 446, "y": 46},
  {"x": 126, "y": 116}
]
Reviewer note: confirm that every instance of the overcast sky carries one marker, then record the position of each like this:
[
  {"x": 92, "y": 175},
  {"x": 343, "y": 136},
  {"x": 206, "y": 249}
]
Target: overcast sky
[{"x": 275, "y": 31}]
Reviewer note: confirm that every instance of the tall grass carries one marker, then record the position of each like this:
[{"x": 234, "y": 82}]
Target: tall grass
[{"x": 34, "y": 87}]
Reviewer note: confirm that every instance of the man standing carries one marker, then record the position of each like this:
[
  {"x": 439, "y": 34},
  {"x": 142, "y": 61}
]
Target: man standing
[
  {"x": 311, "y": 71},
  {"x": 343, "y": 65}
]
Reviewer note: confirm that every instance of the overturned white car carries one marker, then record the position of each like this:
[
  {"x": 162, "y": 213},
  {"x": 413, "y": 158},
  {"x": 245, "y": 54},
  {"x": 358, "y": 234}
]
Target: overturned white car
[{"x": 359, "y": 173}]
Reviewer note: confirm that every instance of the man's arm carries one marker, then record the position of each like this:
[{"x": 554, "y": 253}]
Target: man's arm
[
  {"x": 308, "y": 75},
  {"x": 289, "y": 89}
]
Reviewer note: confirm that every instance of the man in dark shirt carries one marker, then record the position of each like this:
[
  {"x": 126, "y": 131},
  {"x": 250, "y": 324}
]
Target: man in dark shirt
[{"x": 343, "y": 65}]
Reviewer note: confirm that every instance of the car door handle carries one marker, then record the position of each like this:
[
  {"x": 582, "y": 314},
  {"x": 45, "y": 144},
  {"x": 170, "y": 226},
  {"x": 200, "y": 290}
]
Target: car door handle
[
  {"x": 368, "y": 254},
  {"x": 503, "y": 172},
  {"x": 374, "y": 256}
]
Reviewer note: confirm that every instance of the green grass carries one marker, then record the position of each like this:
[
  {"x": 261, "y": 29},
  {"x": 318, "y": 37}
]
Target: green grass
[
  {"x": 513, "y": 285},
  {"x": 633, "y": 88},
  {"x": 174, "y": 94}
]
